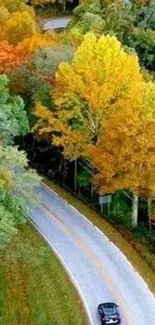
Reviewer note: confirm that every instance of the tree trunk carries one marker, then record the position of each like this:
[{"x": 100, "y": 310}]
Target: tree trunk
[
  {"x": 101, "y": 4},
  {"x": 91, "y": 190},
  {"x": 92, "y": 185},
  {"x": 64, "y": 6},
  {"x": 149, "y": 211},
  {"x": 135, "y": 211},
  {"x": 75, "y": 176}
]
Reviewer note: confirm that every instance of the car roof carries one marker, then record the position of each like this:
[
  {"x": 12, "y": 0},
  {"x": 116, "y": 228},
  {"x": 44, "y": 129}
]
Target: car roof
[{"x": 108, "y": 308}]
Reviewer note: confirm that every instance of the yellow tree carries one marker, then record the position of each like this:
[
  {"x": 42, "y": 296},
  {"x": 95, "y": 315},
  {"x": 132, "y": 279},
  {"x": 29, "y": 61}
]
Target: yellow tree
[
  {"x": 13, "y": 5},
  {"x": 19, "y": 26},
  {"x": 4, "y": 16},
  {"x": 102, "y": 78},
  {"x": 38, "y": 40},
  {"x": 124, "y": 156}
]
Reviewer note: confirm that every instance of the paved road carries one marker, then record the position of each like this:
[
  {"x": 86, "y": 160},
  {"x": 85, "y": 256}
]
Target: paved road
[
  {"x": 100, "y": 269},
  {"x": 55, "y": 23}
]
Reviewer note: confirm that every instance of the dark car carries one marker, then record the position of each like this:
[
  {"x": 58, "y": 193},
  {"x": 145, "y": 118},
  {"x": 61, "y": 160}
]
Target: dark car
[{"x": 109, "y": 313}]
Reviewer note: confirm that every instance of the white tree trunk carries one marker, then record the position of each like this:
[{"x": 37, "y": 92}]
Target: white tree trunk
[{"x": 135, "y": 211}]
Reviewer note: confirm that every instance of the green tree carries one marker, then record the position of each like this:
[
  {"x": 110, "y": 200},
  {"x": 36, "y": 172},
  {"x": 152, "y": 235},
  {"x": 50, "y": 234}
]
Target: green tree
[
  {"x": 146, "y": 16},
  {"x": 17, "y": 182},
  {"x": 13, "y": 118},
  {"x": 132, "y": 23},
  {"x": 34, "y": 77},
  {"x": 16, "y": 191},
  {"x": 89, "y": 22},
  {"x": 115, "y": 17},
  {"x": 143, "y": 42}
]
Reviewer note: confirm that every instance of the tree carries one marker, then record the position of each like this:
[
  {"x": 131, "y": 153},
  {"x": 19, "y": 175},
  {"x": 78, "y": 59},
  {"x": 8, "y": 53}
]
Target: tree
[
  {"x": 143, "y": 41},
  {"x": 4, "y": 15},
  {"x": 38, "y": 41},
  {"x": 34, "y": 76},
  {"x": 115, "y": 17},
  {"x": 147, "y": 16},
  {"x": 13, "y": 5},
  {"x": 132, "y": 22},
  {"x": 124, "y": 156},
  {"x": 11, "y": 56},
  {"x": 101, "y": 78},
  {"x": 13, "y": 118},
  {"x": 119, "y": 18},
  {"x": 16, "y": 191},
  {"x": 19, "y": 26},
  {"x": 17, "y": 182},
  {"x": 89, "y": 22}
]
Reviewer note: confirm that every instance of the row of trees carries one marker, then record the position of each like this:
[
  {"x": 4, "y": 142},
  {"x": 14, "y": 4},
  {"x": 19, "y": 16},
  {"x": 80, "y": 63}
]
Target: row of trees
[
  {"x": 17, "y": 182},
  {"x": 28, "y": 58}
]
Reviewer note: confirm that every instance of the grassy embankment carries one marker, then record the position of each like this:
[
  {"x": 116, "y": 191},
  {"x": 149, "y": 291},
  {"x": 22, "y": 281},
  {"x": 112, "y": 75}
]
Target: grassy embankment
[
  {"x": 34, "y": 288},
  {"x": 137, "y": 252}
]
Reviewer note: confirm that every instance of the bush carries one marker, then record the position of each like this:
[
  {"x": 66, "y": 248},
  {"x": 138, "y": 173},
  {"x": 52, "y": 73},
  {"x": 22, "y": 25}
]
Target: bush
[
  {"x": 144, "y": 234},
  {"x": 120, "y": 210}
]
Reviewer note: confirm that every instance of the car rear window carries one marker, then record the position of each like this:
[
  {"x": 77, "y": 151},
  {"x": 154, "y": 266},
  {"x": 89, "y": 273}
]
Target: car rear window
[{"x": 109, "y": 310}]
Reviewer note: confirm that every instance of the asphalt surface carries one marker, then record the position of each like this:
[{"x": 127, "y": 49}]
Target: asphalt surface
[
  {"x": 55, "y": 23},
  {"x": 101, "y": 271}
]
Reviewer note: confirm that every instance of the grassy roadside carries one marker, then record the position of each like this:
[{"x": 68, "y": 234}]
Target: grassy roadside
[
  {"x": 34, "y": 288},
  {"x": 124, "y": 239}
]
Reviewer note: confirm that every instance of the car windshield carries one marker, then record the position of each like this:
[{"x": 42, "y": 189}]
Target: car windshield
[{"x": 109, "y": 310}]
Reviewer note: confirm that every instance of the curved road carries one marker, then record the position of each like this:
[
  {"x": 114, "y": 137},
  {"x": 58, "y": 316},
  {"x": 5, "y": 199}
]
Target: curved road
[{"x": 101, "y": 271}]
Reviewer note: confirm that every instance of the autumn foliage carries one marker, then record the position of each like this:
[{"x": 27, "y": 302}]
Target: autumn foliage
[
  {"x": 20, "y": 26},
  {"x": 105, "y": 111},
  {"x": 101, "y": 79},
  {"x": 11, "y": 56},
  {"x": 124, "y": 157},
  {"x": 17, "y": 21},
  {"x": 38, "y": 40}
]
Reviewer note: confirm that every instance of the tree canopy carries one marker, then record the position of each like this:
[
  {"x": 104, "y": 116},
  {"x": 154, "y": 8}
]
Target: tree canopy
[
  {"x": 102, "y": 78},
  {"x": 13, "y": 117}
]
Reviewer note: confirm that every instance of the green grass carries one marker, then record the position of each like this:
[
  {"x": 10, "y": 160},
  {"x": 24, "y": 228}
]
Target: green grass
[
  {"x": 34, "y": 288},
  {"x": 137, "y": 252}
]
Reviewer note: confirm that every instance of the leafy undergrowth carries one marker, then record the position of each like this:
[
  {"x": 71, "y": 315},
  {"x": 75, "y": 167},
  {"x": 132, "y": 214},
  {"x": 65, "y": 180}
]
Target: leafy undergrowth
[
  {"x": 34, "y": 288},
  {"x": 137, "y": 252}
]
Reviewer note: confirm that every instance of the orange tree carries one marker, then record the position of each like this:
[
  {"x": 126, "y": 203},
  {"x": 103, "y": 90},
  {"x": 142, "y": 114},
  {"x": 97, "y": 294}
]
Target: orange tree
[{"x": 11, "y": 56}]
